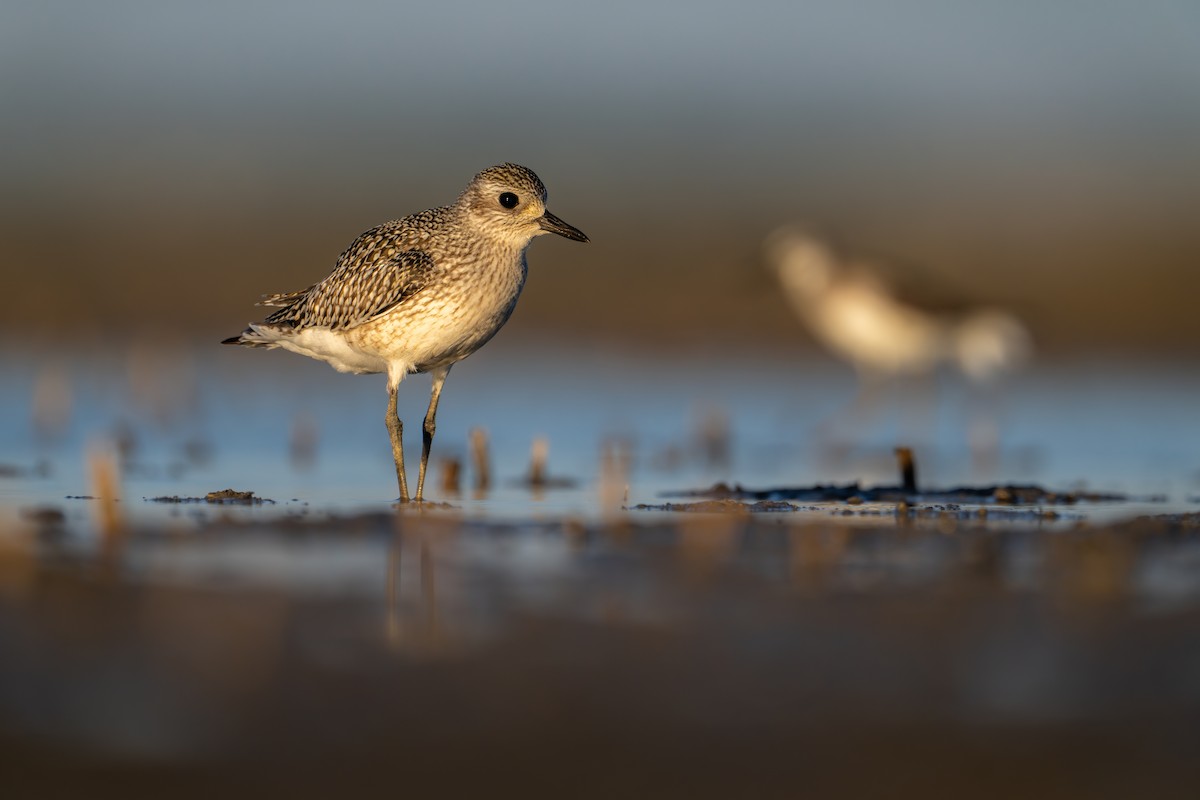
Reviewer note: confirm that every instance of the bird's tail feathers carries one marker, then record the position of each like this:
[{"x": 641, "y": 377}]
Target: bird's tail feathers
[{"x": 261, "y": 334}]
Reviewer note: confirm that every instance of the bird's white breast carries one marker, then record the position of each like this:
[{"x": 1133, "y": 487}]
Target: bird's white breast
[{"x": 443, "y": 324}]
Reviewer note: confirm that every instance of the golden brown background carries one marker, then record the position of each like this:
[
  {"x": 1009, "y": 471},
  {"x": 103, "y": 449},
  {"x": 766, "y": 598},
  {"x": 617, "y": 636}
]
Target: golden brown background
[{"x": 164, "y": 165}]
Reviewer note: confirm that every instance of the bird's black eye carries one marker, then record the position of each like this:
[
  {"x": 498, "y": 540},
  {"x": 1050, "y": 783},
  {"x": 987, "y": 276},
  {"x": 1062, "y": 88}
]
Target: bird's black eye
[{"x": 509, "y": 200}]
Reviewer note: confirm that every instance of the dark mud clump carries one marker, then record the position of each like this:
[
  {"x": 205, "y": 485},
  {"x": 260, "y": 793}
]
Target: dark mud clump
[
  {"x": 225, "y": 497},
  {"x": 854, "y": 508},
  {"x": 1010, "y": 494},
  {"x": 723, "y": 506}
]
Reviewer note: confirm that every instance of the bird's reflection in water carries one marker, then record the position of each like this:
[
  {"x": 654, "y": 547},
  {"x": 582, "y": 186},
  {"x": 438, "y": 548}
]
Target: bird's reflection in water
[{"x": 414, "y": 623}]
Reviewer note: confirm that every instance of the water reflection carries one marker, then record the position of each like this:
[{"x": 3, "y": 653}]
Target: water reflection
[{"x": 413, "y": 617}]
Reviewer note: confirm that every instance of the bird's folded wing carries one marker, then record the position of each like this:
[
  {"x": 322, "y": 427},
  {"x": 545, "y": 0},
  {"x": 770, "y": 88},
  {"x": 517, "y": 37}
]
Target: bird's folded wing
[
  {"x": 355, "y": 293},
  {"x": 283, "y": 299}
]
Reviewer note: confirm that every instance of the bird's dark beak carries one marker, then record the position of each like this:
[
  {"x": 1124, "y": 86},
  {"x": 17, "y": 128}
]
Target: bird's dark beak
[{"x": 553, "y": 224}]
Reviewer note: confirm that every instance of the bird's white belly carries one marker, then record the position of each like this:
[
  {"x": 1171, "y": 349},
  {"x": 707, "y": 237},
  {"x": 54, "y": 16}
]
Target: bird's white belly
[
  {"x": 873, "y": 331},
  {"x": 333, "y": 348},
  {"x": 426, "y": 333}
]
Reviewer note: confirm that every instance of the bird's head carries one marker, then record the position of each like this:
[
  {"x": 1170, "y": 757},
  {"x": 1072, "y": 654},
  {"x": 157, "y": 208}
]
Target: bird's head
[
  {"x": 804, "y": 264},
  {"x": 508, "y": 202}
]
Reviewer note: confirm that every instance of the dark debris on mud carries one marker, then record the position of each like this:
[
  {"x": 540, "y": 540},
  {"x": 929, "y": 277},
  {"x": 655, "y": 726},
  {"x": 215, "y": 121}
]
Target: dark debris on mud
[
  {"x": 1007, "y": 502},
  {"x": 854, "y": 508},
  {"x": 225, "y": 497},
  {"x": 721, "y": 507},
  {"x": 1003, "y": 495}
]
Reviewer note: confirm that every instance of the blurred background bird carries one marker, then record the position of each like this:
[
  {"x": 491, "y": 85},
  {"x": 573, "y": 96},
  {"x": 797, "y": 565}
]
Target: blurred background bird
[{"x": 852, "y": 309}]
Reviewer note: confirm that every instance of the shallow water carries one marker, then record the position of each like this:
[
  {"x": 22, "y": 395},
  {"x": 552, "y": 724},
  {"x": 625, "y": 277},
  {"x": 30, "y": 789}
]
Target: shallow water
[{"x": 1114, "y": 427}]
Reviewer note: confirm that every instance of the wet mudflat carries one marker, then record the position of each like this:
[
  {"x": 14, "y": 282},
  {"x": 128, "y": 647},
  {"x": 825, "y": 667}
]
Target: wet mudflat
[
  {"x": 698, "y": 654},
  {"x": 596, "y": 634}
]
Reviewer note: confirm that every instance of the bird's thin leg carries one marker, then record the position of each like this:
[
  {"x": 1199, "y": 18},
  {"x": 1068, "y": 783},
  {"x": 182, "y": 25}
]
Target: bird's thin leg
[
  {"x": 396, "y": 431},
  {"x": 439, "y": 377}
]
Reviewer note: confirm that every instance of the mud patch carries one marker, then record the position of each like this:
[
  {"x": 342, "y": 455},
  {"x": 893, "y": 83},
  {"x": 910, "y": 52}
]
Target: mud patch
[
  {"x": 225, "y": 497},
  {"x": 854, "y": 494}
]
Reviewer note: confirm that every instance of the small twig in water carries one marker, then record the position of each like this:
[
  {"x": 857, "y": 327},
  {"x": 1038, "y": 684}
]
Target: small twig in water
[{"x": 908, "y": 469}]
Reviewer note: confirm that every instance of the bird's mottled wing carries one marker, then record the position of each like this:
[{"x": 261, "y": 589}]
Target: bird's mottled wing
[
  {"x": 359, "y": 289},
  {"x": 283, "y": 299}
]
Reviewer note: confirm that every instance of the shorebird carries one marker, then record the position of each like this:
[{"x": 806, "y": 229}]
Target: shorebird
[
  {"x": 855, "y": 314},
  {"x": 418, "y": 294}
]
